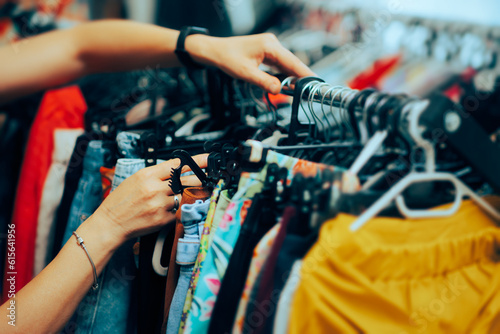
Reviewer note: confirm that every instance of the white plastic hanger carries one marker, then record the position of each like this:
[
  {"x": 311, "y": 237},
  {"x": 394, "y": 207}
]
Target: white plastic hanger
[
  {"x": 395, "y": 193},
  {"x": 373, "y": 144},
  {"x": 156, "y": 260}
]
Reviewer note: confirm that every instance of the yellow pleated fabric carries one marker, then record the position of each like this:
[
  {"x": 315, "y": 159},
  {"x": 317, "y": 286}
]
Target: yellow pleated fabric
[{"x": 402, "y": 276}]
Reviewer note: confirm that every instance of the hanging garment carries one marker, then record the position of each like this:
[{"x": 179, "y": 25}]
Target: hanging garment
[
  {"x": 110, "y": 308},
  {"x": 291, "y": 244},
  {"x": 193, "y": 218},
  {"x": 92, "y": 312},
  {"x": 71, "y": 180},
  {"x": 438, "y": 275},
  {"x": 218, "y": 205},
  {"x": 282, "y": 318},
  {"x": 227, "y": 233},
  {"x": 88, "y": 196},
  {"x": 189, "y": 196},
  {"x": 137, "y": 293},
  {"x": 232, "y": 285},
  {"x": 64, "y": 142},
  {"x": 260, "y": 254},
  {"x": 59, "y": 109},
  {"x": 150, "y": 287},
  {"x": 13, "y": 136},
  {"x": 375, "y": 73},
  {"x": 107, "y": 175},
  {"x": 215, "y": 265},
  {"x": 264, "y": 297}
]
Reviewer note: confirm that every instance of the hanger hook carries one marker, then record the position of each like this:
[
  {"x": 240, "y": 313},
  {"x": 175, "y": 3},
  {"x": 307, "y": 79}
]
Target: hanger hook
[
  {"x": 415, "y": 111},
  {"x": 324, "y": 113},
  {"x": 260, "y": 103},
  {"x": 342, "y": 89},
  {"x": 369, "y": 103},
  {"x": 314, "y": 90},
  {"x": 306, "y": 86},
  {"x": 330, "y": 91},
  {"x": 286, "y": 82},
  {"x": 343, "y": 110}
]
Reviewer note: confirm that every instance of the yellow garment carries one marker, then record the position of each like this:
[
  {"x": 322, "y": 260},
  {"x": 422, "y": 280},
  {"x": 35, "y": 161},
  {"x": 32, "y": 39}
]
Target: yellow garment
[{"x": 402, "y": 276}]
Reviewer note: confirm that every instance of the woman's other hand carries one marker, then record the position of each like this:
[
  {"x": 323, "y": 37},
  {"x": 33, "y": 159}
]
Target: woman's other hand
[{"x": 143, "y": 202}]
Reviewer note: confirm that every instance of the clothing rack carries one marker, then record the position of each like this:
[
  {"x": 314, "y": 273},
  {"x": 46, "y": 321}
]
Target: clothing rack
[
  {"x": 435, "y": 117},
  {"x": 349, "y": 100}
]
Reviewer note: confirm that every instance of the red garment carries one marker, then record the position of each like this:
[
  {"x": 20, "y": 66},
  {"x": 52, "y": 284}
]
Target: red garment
[
  {"x": 107, "y": 175},
  {"x": 60, "y": 109},
  {"x": 371, "y": 76},
  {"x": 455, "y": 92}
]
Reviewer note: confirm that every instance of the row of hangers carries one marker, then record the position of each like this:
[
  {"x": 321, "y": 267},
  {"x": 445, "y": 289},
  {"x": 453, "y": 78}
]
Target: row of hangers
[
  {"x": 376, "y": 124},
  {"x": 413, "y": 120}
]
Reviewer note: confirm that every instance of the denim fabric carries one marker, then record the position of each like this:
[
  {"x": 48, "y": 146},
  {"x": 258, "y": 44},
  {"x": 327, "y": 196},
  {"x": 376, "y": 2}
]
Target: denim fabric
[
  {"x": 128, "y": 144},
  {"x": 107, "y": 310},
  {"x": 191, "y": 214},
  {"x": 193, "y": 218},
  {"x": 89, "y": 193},
  {"x": 124, "y": 169},
  {"x": 86, "y": 200}
]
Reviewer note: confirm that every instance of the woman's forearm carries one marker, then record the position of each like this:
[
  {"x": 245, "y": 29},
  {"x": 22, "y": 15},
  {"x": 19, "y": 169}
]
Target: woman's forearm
[
  {"x": 61, "y": 56},
  {"x": 58, "y": 57},
  {"x": 46, "y": 303}
]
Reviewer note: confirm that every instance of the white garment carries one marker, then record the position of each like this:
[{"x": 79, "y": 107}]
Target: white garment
[
  {"x": 282, "y": 318},
  {"x": 64, "y": 143}
]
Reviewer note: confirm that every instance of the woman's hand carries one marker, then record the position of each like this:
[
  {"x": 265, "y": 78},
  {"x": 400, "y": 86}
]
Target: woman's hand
[
  {"x": 240, "y": 57},
  {"x": 143, "y": 202}
]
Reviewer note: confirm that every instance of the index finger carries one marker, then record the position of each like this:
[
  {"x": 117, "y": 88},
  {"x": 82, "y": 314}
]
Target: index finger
[
  {"x": 163, "y": 170},
  {"x": 284, "y": 59}
]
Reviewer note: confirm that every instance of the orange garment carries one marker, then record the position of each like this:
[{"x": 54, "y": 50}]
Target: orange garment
[{"x": 402, "y": 276}]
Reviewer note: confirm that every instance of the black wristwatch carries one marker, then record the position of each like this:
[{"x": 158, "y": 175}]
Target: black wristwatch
[{"x": 180, "y": 50}]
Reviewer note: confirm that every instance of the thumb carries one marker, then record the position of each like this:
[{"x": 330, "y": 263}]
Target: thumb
[{"x": 265, "y": 81}]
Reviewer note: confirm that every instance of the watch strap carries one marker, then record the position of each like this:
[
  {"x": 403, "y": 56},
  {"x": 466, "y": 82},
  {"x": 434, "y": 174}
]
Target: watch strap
[{"x": 180, "y": 50}]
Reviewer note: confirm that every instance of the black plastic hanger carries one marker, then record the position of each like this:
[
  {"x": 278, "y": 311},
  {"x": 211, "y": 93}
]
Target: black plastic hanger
[
  {"x": 447, "y": 122},
  {"x": 295, "y": 125},
  {"x": 175, "y": 175},
  {"x": 358, "y": 99}
]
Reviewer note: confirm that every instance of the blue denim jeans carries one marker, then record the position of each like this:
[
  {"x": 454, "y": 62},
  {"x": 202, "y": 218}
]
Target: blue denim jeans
[
  {"x": 88, "y": 196},
  {"x": 107, "y": 310},
  {"x": 193, "y": 218},
  {"x": 90, "y": 317}
]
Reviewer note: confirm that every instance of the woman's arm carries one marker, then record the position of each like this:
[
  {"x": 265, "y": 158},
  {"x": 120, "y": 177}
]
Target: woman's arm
[
  {"x": 62, "y": 56},
  {"x": 138, "y": 206}
]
